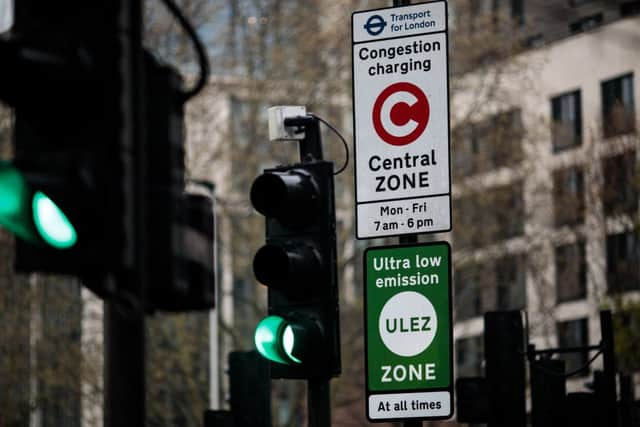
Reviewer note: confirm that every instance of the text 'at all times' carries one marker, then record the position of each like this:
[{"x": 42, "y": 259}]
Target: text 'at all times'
[{"x": 414, "y": 405}]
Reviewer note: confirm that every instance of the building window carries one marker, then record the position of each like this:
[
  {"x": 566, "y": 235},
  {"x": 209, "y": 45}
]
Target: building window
[
  {"x": 534, "y": 41},
  {"x": 585, "y": 24},
  {"x": 571, "y": 272},
  {"x": 487, "y": 145},
  {"x": 507, "y": 206},
  {"x": 469, "y": 289},
  {"x": 469, "y": 356},
  {"x": 517, "y": 11},
  {"x": 466, "y": 151},
  {"x": 479, "y": 11},
  {"x": 630, "y": 8},
  {"x": 471, "y": 221},
  {"x": 510, "y": 282},
  {"x": 568, "y": 196},
  {"x": 623, "y": 262},
  {"x": 620, "y": 191},
  {"x": 618, "y": 112},
  {"x": 506, "y": 133},
  {"x": 566, "y": 130},
  {"x": 498, "y": 285},
  {"x": 486, "y": 218},
  {"x": 576, "y": 3},
  {"x": 574, "y": 333}
]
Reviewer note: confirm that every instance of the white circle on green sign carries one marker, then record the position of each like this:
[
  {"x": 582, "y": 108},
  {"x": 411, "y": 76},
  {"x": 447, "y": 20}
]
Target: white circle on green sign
[{"x": 408, "y": 323}]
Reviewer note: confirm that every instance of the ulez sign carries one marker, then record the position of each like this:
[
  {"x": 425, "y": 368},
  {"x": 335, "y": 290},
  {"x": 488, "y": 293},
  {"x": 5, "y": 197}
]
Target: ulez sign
[
  {"x": 401, "y": 120},
  {"x": 409, "y": 361}
]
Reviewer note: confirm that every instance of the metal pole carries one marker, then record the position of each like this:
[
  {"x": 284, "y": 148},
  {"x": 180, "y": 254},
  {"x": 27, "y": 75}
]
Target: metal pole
[
  {"x": 627, "y": 400},
  {"x": 318, "y": 396},
  {"x": 410, "y": 238},
  {"x": 609, "y": 398},
  {"x": 548, "y": 393},
  {"x": 124, "y": 368},
  {"x": 311, "y": 146},
  {"x": 125, "y": 334},
  {"x": 319, "y": 402}
]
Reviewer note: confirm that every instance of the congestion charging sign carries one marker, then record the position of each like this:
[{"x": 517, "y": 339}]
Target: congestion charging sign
[
  {"x": 401, "y": 120},
  {"x": 408, "y": 332}
]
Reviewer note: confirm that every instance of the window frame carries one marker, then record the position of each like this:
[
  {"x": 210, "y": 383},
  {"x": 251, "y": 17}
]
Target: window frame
[
  {"x": 581, "y": 279},
  {"x": 630, "y": 260},
  {"x": 563, "y": 181},
  {"x": 608, "y": 98},
  {"x": 579, "y": 359},
  {"x": 558, "y": 123}
]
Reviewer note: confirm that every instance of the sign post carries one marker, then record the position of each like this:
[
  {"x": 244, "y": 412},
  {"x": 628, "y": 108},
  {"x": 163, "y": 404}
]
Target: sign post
[
  {"x": 401, "y": 120},
  {"x": 408, "y": 322}
]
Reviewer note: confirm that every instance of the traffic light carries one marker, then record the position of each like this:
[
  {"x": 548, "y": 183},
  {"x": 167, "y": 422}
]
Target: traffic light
[
  {"x": 61, "y": 194},
  {"x": 97, "y": 183},
  {"x": 298, "y": 265},
  {"x": 249, "y": 389},
  {"x": 548, "y": 393},
  {"x": 32, "y": 215},
  {"x": 472, "y": 400},
  {"x": 505, "y": 368},
  {"x": 180, "y": 230}
]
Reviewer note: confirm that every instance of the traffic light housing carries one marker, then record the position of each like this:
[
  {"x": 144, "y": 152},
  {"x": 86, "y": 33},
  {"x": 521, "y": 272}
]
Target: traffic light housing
[
  {"x": 548, "y": 392},
  {"x": 505, "y": 368},
  {"x": 62, "y": 69},
  {"x": 96, "y": 188},
  {"x": 298, "y": 265},
  {"x": 472, "y": 400},
  {"x": 249, "y": 389},
  {"x": 180, "y": 227}
]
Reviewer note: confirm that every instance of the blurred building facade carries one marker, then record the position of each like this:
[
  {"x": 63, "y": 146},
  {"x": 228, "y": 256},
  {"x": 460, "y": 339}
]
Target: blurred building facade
[
  {"x": 546, "y": 178},
  {"x": 544, "y": 171}
]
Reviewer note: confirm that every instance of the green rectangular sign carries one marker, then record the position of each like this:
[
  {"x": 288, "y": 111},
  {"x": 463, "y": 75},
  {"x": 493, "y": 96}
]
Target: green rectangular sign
[{"x": 409, "y": 330}]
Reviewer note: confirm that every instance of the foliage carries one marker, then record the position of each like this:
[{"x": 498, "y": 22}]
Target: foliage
[{"x": 627, "y": 336}]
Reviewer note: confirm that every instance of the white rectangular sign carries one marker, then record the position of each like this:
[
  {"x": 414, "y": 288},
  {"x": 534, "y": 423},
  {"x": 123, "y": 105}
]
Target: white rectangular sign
[
  {"x": 401, "y": 120},
  {"x": 435, "y": 404}
]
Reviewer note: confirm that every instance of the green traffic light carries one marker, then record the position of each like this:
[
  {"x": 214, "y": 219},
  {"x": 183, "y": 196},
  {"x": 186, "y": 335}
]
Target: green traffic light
[
  {"x": 14, "y": 205},
  {"x": 267, "y": 338},
  {"x": 52, "y": 224},
  {"x": 275, "y": 339},
  {"x": 288, "y": 343},
  {"x": 29, "y": 215}
]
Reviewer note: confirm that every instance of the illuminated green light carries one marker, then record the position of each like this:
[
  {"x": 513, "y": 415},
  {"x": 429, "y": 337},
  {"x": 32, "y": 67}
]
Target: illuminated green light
[
  {"x": 12, "y": 190},
  {"x": 267, "y": 338},
  {"x": 52, "y": 224},
  {"x": 288, "y": 342},
  {"x": 14, "y": 207}
]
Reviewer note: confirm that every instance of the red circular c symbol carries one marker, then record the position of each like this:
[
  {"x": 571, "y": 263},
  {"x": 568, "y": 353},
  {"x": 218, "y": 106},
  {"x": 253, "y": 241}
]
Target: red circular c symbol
[{"x": 401, "y": 113}]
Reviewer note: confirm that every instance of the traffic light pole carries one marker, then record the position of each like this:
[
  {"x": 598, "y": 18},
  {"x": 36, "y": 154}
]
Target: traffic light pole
[
  {"x": 124, "y": 367},
  {"x": 300, "y": 336},
  {"x": 608, "y": 394},
  {"x": 319, "y": 402},
  {"x": 318, "y": 389},
  {"x": 125, "y": 334}
]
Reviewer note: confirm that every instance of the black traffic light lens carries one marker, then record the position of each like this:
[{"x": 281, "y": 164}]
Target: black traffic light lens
[
  {"x": 290, "y": 197},
  {"x": 286, "y": 268},
  {"x": 268, "y": 193},
  {"x": 271, "y": 265}
]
